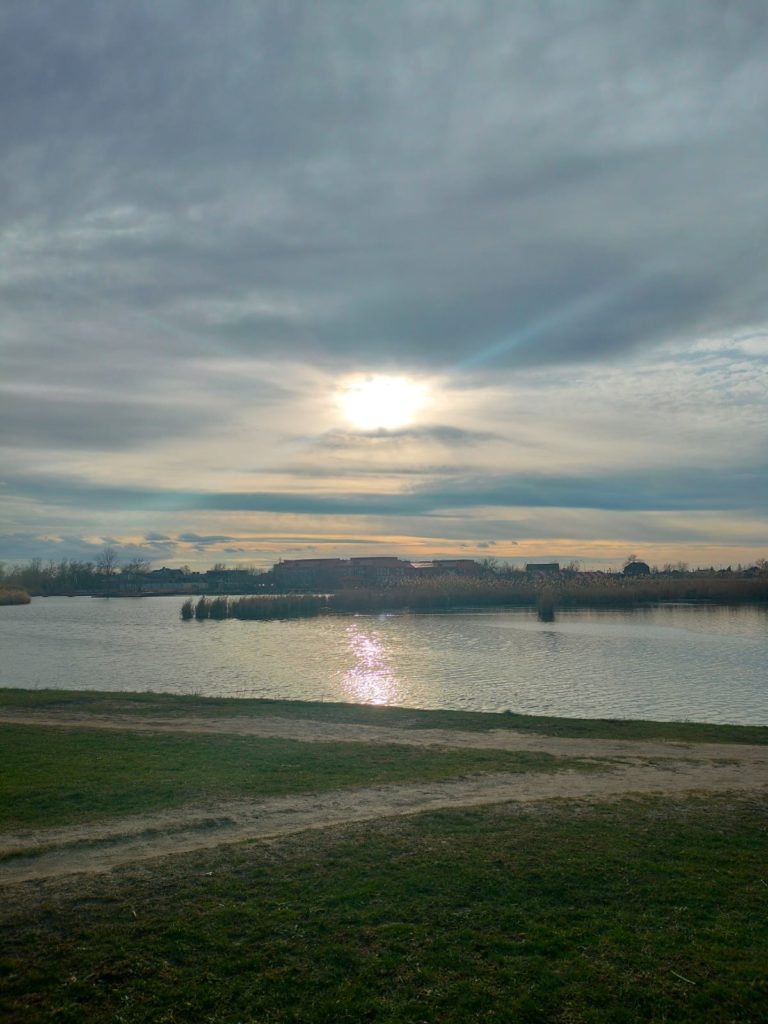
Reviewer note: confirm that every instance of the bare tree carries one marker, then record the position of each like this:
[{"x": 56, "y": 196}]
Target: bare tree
[
  {"x": 106, "y": 563},
  {"x": 136, "y": 567}
]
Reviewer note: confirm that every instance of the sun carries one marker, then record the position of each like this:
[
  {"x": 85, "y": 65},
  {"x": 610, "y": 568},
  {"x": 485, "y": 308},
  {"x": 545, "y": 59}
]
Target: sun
[{"x": 381, "y": 402}]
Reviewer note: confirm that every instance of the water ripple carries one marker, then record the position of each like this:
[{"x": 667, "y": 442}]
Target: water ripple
[{"x": 677, "y": 662}]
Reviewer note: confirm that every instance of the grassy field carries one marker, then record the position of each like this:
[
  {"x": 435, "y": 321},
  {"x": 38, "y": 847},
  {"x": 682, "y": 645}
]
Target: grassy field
[
  {"x": 167, "y": 705},
  {"x": 649, "y": 911},
  {"x": 51, "y": 776},
  {"x": 644, "y": 910}
]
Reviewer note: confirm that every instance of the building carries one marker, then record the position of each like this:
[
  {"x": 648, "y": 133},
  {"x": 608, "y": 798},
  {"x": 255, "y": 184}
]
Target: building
[
  {"x": 233, "y": 581},
  {"x": 448, "y": 567},
  {"x": 310, "y": 573},
  {"x": 456, "y": 567},
  {"x": 166, "y": 575},
  {"x": 379, "y": 569},
  {"x": 637, "y": 569},
  {"x": 159, "y": 581},
  {"x": 322, "y": 574},
  {"x": 543, "y": 568}
]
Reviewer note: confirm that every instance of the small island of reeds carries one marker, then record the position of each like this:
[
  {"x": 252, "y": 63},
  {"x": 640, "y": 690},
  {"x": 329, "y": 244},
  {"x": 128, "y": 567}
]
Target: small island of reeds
[{"x": 14, "y": 597}]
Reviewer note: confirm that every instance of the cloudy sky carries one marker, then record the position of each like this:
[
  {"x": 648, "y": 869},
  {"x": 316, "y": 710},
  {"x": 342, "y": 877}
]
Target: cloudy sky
[{"x": 283, "y": 278}]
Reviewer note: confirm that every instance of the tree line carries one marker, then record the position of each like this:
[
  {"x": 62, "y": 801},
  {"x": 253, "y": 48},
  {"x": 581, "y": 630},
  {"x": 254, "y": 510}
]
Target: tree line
[{"x": 70, "y": 575}]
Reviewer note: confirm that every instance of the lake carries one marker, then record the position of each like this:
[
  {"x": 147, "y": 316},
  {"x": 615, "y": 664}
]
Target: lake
[{"x": 676, "y": 662}]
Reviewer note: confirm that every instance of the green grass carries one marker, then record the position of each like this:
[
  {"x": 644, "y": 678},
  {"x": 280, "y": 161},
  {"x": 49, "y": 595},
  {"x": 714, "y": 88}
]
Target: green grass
[
  {"x": 51, "y": 776},
  {"x": 645, "y": 911},
  {"x": 98, "y": 702}
]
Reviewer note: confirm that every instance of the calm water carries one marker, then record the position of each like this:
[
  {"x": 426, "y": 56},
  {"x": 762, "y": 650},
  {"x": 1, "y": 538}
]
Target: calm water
[{"x": 679, "y": 662}]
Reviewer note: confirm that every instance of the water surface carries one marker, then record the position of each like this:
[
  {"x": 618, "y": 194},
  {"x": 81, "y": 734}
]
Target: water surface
[{"x": 673, "y": 662}]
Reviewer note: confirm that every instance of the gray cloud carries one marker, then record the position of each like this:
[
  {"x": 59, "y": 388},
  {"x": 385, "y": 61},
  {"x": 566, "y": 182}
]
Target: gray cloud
[
  {"x": 204, "y": 540},
  {"x": 734, "y": 488},
  {"x": 329, "y": 169},
  {"x": 441, "y": 434},
  {"x": 67, "y": 422},
  {"x": 471, "y": 188},
  {"x": 19, "y": 546},
  {"x": 351, "y": 471}
]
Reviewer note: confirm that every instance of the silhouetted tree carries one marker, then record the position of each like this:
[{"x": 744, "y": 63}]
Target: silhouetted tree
[
  {"x": 136, "y": 567},
  {"x": 106, "y": 563}
]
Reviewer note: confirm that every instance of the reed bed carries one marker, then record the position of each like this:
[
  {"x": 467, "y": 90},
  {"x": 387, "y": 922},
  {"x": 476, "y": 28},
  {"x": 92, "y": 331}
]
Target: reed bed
[
  {"x": 14, "y": 597},
  {"x": 277, "y": 606},
  {"x": 447, "y": 594},
  {"x": 627, "y": 593}
]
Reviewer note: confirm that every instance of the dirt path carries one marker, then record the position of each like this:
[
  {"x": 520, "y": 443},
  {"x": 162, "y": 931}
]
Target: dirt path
[
  {"x": 309, "y": 731},
  {"x": 94, "y": 848},
  {"x": 679, "y": 768}
]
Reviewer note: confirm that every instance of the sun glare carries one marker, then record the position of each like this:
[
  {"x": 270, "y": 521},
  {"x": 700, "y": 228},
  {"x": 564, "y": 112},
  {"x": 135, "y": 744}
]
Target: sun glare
[{"x": 381, "y": 403}]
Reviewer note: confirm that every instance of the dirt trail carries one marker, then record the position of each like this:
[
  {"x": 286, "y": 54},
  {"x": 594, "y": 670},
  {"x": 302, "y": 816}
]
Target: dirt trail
[
  {"x": 101, "y": 847},
  {"x": 679, "y": 768},
  {"x": 309, "y": 731}
]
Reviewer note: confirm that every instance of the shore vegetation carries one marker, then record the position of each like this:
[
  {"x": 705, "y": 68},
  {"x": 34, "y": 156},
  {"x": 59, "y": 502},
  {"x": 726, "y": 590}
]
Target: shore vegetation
[{"x": 451, "y": 593}]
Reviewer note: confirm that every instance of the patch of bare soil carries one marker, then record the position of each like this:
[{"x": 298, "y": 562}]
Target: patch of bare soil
[
  {"x": 309, "y": 731},
  {"x": 680, "y": 768}
]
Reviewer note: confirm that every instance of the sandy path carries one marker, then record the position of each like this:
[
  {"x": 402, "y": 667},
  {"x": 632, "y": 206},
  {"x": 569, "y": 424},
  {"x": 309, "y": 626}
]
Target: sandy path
[
  {"x": 309, "y": 731},
  {"x": 95, "y": 848},
  {"x": 679, "y": 768}
]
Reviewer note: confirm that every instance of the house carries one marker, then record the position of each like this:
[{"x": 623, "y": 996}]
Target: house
[
  {"x": 637, "y": 569},
  {"x": 167, "y": 581},
  {"x": 543, "y": 568},
  {"x": 233, "y": 581},
  {"x": 166, "y": 575}
]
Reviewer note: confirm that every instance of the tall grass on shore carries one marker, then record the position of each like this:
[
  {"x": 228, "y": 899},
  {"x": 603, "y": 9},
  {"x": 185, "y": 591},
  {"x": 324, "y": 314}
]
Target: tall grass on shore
[
  {"x": 623, "y": 592},
  {"x": 449, "y": 593},
  {"x": 205, "y": 608},
  {"x": 281, "y": 606},
  {"x": 14, "y": 597}
]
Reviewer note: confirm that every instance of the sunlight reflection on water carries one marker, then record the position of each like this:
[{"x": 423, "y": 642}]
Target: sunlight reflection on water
[
  {"x": 673, "y": 662},
  {"x": 370, "y": 679}
]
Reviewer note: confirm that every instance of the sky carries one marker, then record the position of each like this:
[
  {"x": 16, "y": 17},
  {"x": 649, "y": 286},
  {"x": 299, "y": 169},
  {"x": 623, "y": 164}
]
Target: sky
[{"x": 286, "y": 279}]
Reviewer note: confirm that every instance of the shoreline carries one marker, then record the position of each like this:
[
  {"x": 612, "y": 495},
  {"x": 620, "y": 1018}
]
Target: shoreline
[{"x": 16, "y": 701}]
